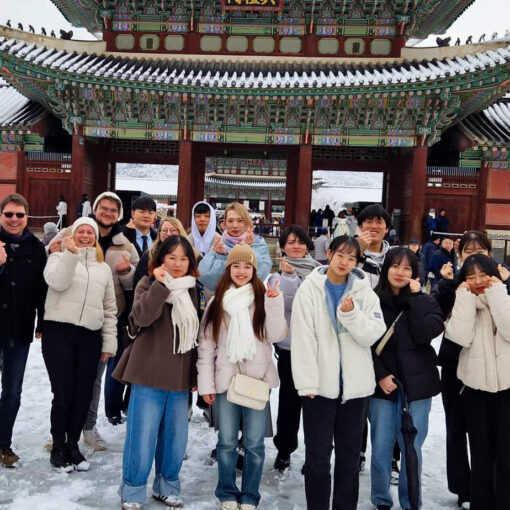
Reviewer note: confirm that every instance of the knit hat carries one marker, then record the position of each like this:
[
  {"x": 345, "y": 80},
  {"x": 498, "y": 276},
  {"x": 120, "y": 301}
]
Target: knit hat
[
  {"x": 414, "y": 241},
  {"x": 85, "y": 221},
  {"x": 50, "y": 228},
  {"x": 242, "y": 253},
  {"x": 112, "y": 196}
]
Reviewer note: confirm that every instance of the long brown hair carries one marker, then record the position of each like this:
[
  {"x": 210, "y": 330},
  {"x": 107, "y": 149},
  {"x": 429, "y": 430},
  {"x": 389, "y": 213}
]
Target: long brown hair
[{"x": 216, "y": 314}]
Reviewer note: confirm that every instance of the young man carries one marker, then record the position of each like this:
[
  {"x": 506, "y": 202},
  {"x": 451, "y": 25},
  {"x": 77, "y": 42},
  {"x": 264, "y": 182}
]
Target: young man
[
  {"x": 444, "y": 255},
  {"x": 321, "y": 245},
  {"x": 22, "y": 294},
  {"x": 427, "y": 250},
  {"x": 203, "y": 227},
  {"x": 442, "y": 221},
  {"x": 142, "y": 235}
]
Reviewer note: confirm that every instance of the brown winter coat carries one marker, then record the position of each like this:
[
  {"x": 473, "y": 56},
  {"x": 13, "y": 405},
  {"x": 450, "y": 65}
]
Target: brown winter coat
[{"x": 150, "y": 360}]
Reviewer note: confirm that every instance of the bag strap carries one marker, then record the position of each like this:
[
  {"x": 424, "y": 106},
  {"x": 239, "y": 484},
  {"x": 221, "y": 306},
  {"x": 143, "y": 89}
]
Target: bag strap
[
  {"x": 239, "y": 371},
  {"x": 387, "y": 336}
]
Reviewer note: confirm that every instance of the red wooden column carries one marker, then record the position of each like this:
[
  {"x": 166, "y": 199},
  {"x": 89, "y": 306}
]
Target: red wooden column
[
  {"x": 483, "y": 183},
  {"x": 77, "y": 172},
  {"x": 418, "y": 183},
  {"x": 198, "y": 177},
  {"x": 303, "y": 190},
  {"x": 290, "y": 185}
]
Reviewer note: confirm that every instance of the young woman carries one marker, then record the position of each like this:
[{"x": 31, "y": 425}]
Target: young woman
[
  {"x": 480, "y": 323},
  {"x": 62, "y": 212},
  {"x": 457, "y": 458},
  {"x": 409, "y": 358},
  {"x": 238, "y": 230},
  {"x": 79, "y": 330},
  {"x": 336, "y": 317},
  {"x": 295, "y": 265},
  {"x": 240, "y": 324},
  {"x": 161, "y": 367}
]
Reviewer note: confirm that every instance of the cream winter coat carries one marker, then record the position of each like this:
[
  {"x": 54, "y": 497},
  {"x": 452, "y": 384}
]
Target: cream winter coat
[
  {"x": 481, "y": 324},
  {"x": 81, "y": 292},
  {"x": 318, "y": 347},
  {"x": 215, "y": 371}
]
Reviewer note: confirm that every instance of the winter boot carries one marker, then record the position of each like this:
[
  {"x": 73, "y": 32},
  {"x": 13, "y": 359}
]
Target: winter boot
[
  {"x": 93, "y": 439},
  {"x": 126, "y": 505},
  {"x": 8, "y": 458},
  {"x": 169, "y": 501},
  {"x": 247, "y": 506},
  {"x": 229, "y": 505},
  {"x": 282, "y": 463},
  {"x": 59, "y": 459},
  {"x": 76, "y": 458}
]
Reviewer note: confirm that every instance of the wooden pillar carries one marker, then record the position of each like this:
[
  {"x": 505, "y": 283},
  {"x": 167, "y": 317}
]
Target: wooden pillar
[
  {"x": 417, "y": 185},
  {"x": 101, "y": 171},
  {"x": 76, "y": 185},
  {"x": 483, "y": 182},
  {"x": 303, "y": 190},
  {"x": 198, "y": 177},
  {"x": 268, "y": 208},
  {"x": 290, "y": 185},
  {"x": 21, "y": 168}
]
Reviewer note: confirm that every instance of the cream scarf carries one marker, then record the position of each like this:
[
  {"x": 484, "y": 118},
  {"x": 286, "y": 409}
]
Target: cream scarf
[
  {"x": 241, "y": 341},
  {"x": 184, "y": 314}
]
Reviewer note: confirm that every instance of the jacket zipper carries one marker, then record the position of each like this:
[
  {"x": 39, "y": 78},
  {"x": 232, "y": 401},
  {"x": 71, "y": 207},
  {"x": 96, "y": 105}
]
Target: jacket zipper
[{"x": 87, "y": 287}]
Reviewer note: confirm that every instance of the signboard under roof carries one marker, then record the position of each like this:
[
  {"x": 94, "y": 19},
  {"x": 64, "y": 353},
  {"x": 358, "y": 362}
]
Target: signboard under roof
[{"x": 252, "y": 5}]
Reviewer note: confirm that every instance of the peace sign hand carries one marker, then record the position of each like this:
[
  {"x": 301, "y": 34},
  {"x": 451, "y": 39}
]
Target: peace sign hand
[
  {"x": 272, "y": 292},
  {"x": 250, "y": 237}
]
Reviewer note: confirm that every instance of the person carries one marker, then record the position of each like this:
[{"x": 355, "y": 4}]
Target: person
[
  {"x": 340, "y": 226},
  {"x": 443, "y": 256},
  {"x": 319, "y": 217},
  {"x": 22, "y": 294},
  {"x": 142, "y": 235},
  {"x": 50, "y": 230},
  {"x": 87, "y": 207},
  {"x": 79, "y": 330},
  {"x": 161, "y": 367},
  {"x": 442, "y": 222},
  {"x": 203, "y": 228},
  {"x": 295, "y": 265},
  {"x": 321, "y": 246},
  {"x": 479, "y": 323},
  {"x": 430, "y": 223},
  {"x": 329, "y": 215},
  {"x": 414, "y": 246},
  {"x": 83, "y": 199},
  {"x": 241, "y": 322},
  {"x": 62, "y": 212},
  {"x": 427, "y": 250},
  {"x": 336, "y": 317},
  {"x": 408, "y": 357},
  {"x": 352, "y": 221},
  {"x": 458, "y": 469},
  {"x": 239, "y": 230}
]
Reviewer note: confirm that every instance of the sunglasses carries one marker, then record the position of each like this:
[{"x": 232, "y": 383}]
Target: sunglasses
[{"x": 11, "y": 214}]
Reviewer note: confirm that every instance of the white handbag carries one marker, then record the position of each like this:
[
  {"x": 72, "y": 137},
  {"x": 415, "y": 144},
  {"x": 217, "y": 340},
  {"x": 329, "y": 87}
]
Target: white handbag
[{"x": 248, "y": 392}]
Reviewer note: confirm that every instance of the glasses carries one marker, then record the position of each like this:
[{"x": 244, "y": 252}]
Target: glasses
[
  {"x": 171, "y": 231},
  {"x": 11, "y": 214},
  {"x": 107, "y": 210}
]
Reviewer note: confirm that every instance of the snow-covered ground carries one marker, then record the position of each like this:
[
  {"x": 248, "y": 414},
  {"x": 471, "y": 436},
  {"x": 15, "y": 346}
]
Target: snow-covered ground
[{"x": 34, "y": 485}]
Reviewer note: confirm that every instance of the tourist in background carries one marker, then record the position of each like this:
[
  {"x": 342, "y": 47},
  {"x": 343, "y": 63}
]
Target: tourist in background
[
  {"x": 442, "y": 222},
  {"x": 238, "y": 230},
  {"x": 321, "y": 245},
  {"x": 444, "y": 255},
  {"x": 84, "y": 198},
  {"x": 336, "y": 317},
  {"x": 340, "y": 226},
  {"x": 480, "y": 324},
  {"x": 328, "y": 214},
  {"x": 22, "y": 294},
  {"x": 62, "y": 212},
  {"x": 318, "y": 219},
  {"x": 50, "y": 230},
  {"x": 352, "y": 221},
  {"x": 408, "y": 357},
  {"x": 79, "y": 330},
  {"x": 142, "y": 235},
  {"x": 203, "y": 227},
  {"x": 427, "y": 250},
  {"x": 430, "y": 223},
  {"x": 160, "y": 364},
  {"x": 415, "y": 247},
  {"x": 241, "y": 322}
]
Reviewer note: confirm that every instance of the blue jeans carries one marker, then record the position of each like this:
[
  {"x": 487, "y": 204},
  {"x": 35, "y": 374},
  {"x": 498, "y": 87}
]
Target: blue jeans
[
  {"x": 385, "y": 426},
  {"x": 14, "y": 361},
  {"x": 157, "y": 429},
  {"x": 230, "y": 417},
  {"x": 113, "y": 389}
]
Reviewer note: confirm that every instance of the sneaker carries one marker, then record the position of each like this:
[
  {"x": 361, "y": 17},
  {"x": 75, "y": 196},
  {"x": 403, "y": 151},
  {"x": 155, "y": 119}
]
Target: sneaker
[
  {"x": 464, "y": 505},
  {"x": 93, "y": 439},
  {"x": 247, "y": 506},
  {"x": 126, "y": 505},
  {"x": 362, "y": 461},
  {"x": 116, "y": 420},
  {"x": 76, "y": 458},
  {"x": 8, "y": 458},
  {"x": 59, "y": 459},
  {"x": 229, "y": 505},
  {"x": 381, "y": 507},
  {"x": 395, "y": 472},
  {"x": 282, "y": 463},
  {"x": 170, "y": 501}
]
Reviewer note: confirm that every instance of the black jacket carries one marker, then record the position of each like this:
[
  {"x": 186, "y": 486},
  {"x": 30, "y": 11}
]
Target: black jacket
[
  {"x": 408, "y": 354},
  {"x": 439, "y": 259},
  {"x": 22, "y": 288},
  {"x": 142, "y": 269},
  {"x": 130, "y": 233}
]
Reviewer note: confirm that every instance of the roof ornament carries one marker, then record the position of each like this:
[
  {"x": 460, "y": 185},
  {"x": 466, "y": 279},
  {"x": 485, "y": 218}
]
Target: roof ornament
[
  {"x": 442, "y": 43},
  {"x": 31, "y": 29},
  {"x": 53, "y": 33},
  {"x": 457, "y": 42},
  {"x": 43, "y": 31},
  {"x": 469, "y": 40},
  {"x": 8, "y": 24},
  {"x": 482, "y": 38},
  {"x": 67, "y": 36},
  {"x": 20, "y": 26}
]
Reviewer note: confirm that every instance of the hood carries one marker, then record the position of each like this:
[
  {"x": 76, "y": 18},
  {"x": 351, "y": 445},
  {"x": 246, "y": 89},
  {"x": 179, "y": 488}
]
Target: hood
[
  {"x": 115, "y": 197},
  {"x": 378, "y": 258},
  {"x": 204, "y": 242}
]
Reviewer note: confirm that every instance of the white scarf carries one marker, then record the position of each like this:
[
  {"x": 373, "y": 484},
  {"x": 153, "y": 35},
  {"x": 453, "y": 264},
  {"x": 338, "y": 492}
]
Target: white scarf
[
  {"x": 184, "y": 314},
  {"x": 241, "y": 342}
]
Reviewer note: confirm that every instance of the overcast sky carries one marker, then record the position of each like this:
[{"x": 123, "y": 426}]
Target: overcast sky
[{"x": 483, "y": 16}]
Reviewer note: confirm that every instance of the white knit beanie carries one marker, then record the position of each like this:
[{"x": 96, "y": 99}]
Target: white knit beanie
[
  {"x": 113, "y": 196},
  {"x": 85, "y": 221}
]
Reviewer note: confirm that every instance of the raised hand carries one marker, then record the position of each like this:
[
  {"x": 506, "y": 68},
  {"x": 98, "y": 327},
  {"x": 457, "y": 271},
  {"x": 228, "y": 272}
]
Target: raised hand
[
  {"x": 447, "y": 271},
  {"x": 250, "y": 237},
  {"x": 70, "y": 245},
  {"x": 159, "y": 273},
  {"x": 272, "y": 292},
  {"x": 347, "y": 305},
  {"x": 465, "y": 285},
  {"x": 3, "y": 254},
  {"x": 219, "y": 247},
  {"x": 56, "y": 246},
  {"x": 503, "y": 272},
  {"x": 414, "y": 285},
  {"x": 364, "y": 241},
  {"x": 285, "y": 267},
  {"x": 494, "y": 280},
  {"x": 124, "y": 264}
]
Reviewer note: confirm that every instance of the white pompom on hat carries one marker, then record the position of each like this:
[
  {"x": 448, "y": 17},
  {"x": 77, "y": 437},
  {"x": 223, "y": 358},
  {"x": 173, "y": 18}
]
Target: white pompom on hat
[{"x": 85, "y": 221}]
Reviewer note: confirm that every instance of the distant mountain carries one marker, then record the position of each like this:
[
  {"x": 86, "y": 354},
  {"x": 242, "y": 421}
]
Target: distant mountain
[{"x": 142, "y": 171}]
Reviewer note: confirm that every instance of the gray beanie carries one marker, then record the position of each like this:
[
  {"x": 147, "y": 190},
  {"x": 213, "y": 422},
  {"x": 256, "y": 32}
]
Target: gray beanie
[
  {"x": 50, "y": 228},
  {"x": 112, "y": 196}
]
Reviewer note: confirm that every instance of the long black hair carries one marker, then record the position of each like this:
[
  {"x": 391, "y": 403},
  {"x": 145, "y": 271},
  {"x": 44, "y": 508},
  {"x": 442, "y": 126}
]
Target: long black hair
[
  {"x": 396, "y": 256},
  {"x": 478, "y": 261}
]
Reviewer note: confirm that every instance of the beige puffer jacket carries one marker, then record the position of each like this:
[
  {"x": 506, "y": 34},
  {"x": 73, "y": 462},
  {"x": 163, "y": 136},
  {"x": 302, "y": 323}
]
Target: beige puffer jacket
[
  {"x": 81, "y": 292},
  {"x": 481, "y": 324}
]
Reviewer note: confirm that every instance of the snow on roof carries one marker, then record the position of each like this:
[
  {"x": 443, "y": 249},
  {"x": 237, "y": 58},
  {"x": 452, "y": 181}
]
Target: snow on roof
[
  {"x": 153, "y": 187},
  {"x": 16, "y": 111},
  {"x": 490, "y": 126}
]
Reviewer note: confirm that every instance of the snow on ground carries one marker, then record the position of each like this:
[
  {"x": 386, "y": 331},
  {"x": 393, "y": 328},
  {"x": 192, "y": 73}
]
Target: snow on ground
[{"x": 35, "y": 485}]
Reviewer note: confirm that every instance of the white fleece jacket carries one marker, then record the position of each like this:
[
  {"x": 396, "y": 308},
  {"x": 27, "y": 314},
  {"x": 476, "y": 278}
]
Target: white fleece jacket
[
  {"x": 81, "y": 292},
  {"x": 481, "y": 324},
  {"x": 318, "y": 348}
]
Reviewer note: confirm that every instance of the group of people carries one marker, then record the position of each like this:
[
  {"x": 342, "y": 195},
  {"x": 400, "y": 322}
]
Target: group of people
[{"x": 168, "y": 313}]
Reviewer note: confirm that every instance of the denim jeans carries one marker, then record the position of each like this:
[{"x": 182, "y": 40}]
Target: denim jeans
[
  {"x": 113, "y": 389},
  {"x": 14, "y": 361},
  {"x": 385, "y": 425},
  {"x": 91, "y": 421},
  {"x": 157, "y": 429},
  {"x": 253, "y": 427}
]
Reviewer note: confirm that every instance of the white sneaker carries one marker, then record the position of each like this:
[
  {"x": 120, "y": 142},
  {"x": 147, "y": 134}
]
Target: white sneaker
[
  {"x": 229, "y": 505},
  {"x": 171, "y": 501},
  {"x": 247, "y": 506},
  {"x": 130, "y": 506},
  {"x": 93, "y": 439}
]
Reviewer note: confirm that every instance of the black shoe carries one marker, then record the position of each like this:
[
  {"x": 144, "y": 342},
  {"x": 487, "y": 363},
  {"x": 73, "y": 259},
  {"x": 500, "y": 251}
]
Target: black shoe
[
  {"x": 75, "y": 457},
  {"x": 395, "y": 472},
  {"x": 59, "y": 459},
  {"x": 362, "y": 461},
  {"x": 116, "y": 420},
  {"x": 282, "y": 463},
  {"x": 382, "y": 507}
]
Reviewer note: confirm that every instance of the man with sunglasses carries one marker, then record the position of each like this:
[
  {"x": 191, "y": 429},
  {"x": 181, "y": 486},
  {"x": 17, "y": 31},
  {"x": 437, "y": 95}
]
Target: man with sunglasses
[{"x": 22, "y": 295}]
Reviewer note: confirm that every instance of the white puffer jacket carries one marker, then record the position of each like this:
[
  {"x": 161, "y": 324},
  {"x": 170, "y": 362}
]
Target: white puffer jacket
[
  {"x": 81, "y": 292},
  {"x": 319, "y": 348},
  {"x": 481, "y": 324}
]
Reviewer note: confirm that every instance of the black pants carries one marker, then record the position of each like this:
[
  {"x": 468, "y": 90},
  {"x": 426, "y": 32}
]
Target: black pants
[
  {"x": 71, "y": 354},
  {"x": 289, "y": 408},
  {"x": 458, "y": 470},
  {"x": 488, "y": 424},
  {"x": 326, "y": 420}
]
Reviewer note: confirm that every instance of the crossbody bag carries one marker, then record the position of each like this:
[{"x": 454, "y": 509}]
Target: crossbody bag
[
  {"x": 387, "y": 336},
  {"x": 247, "y": 391}
]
